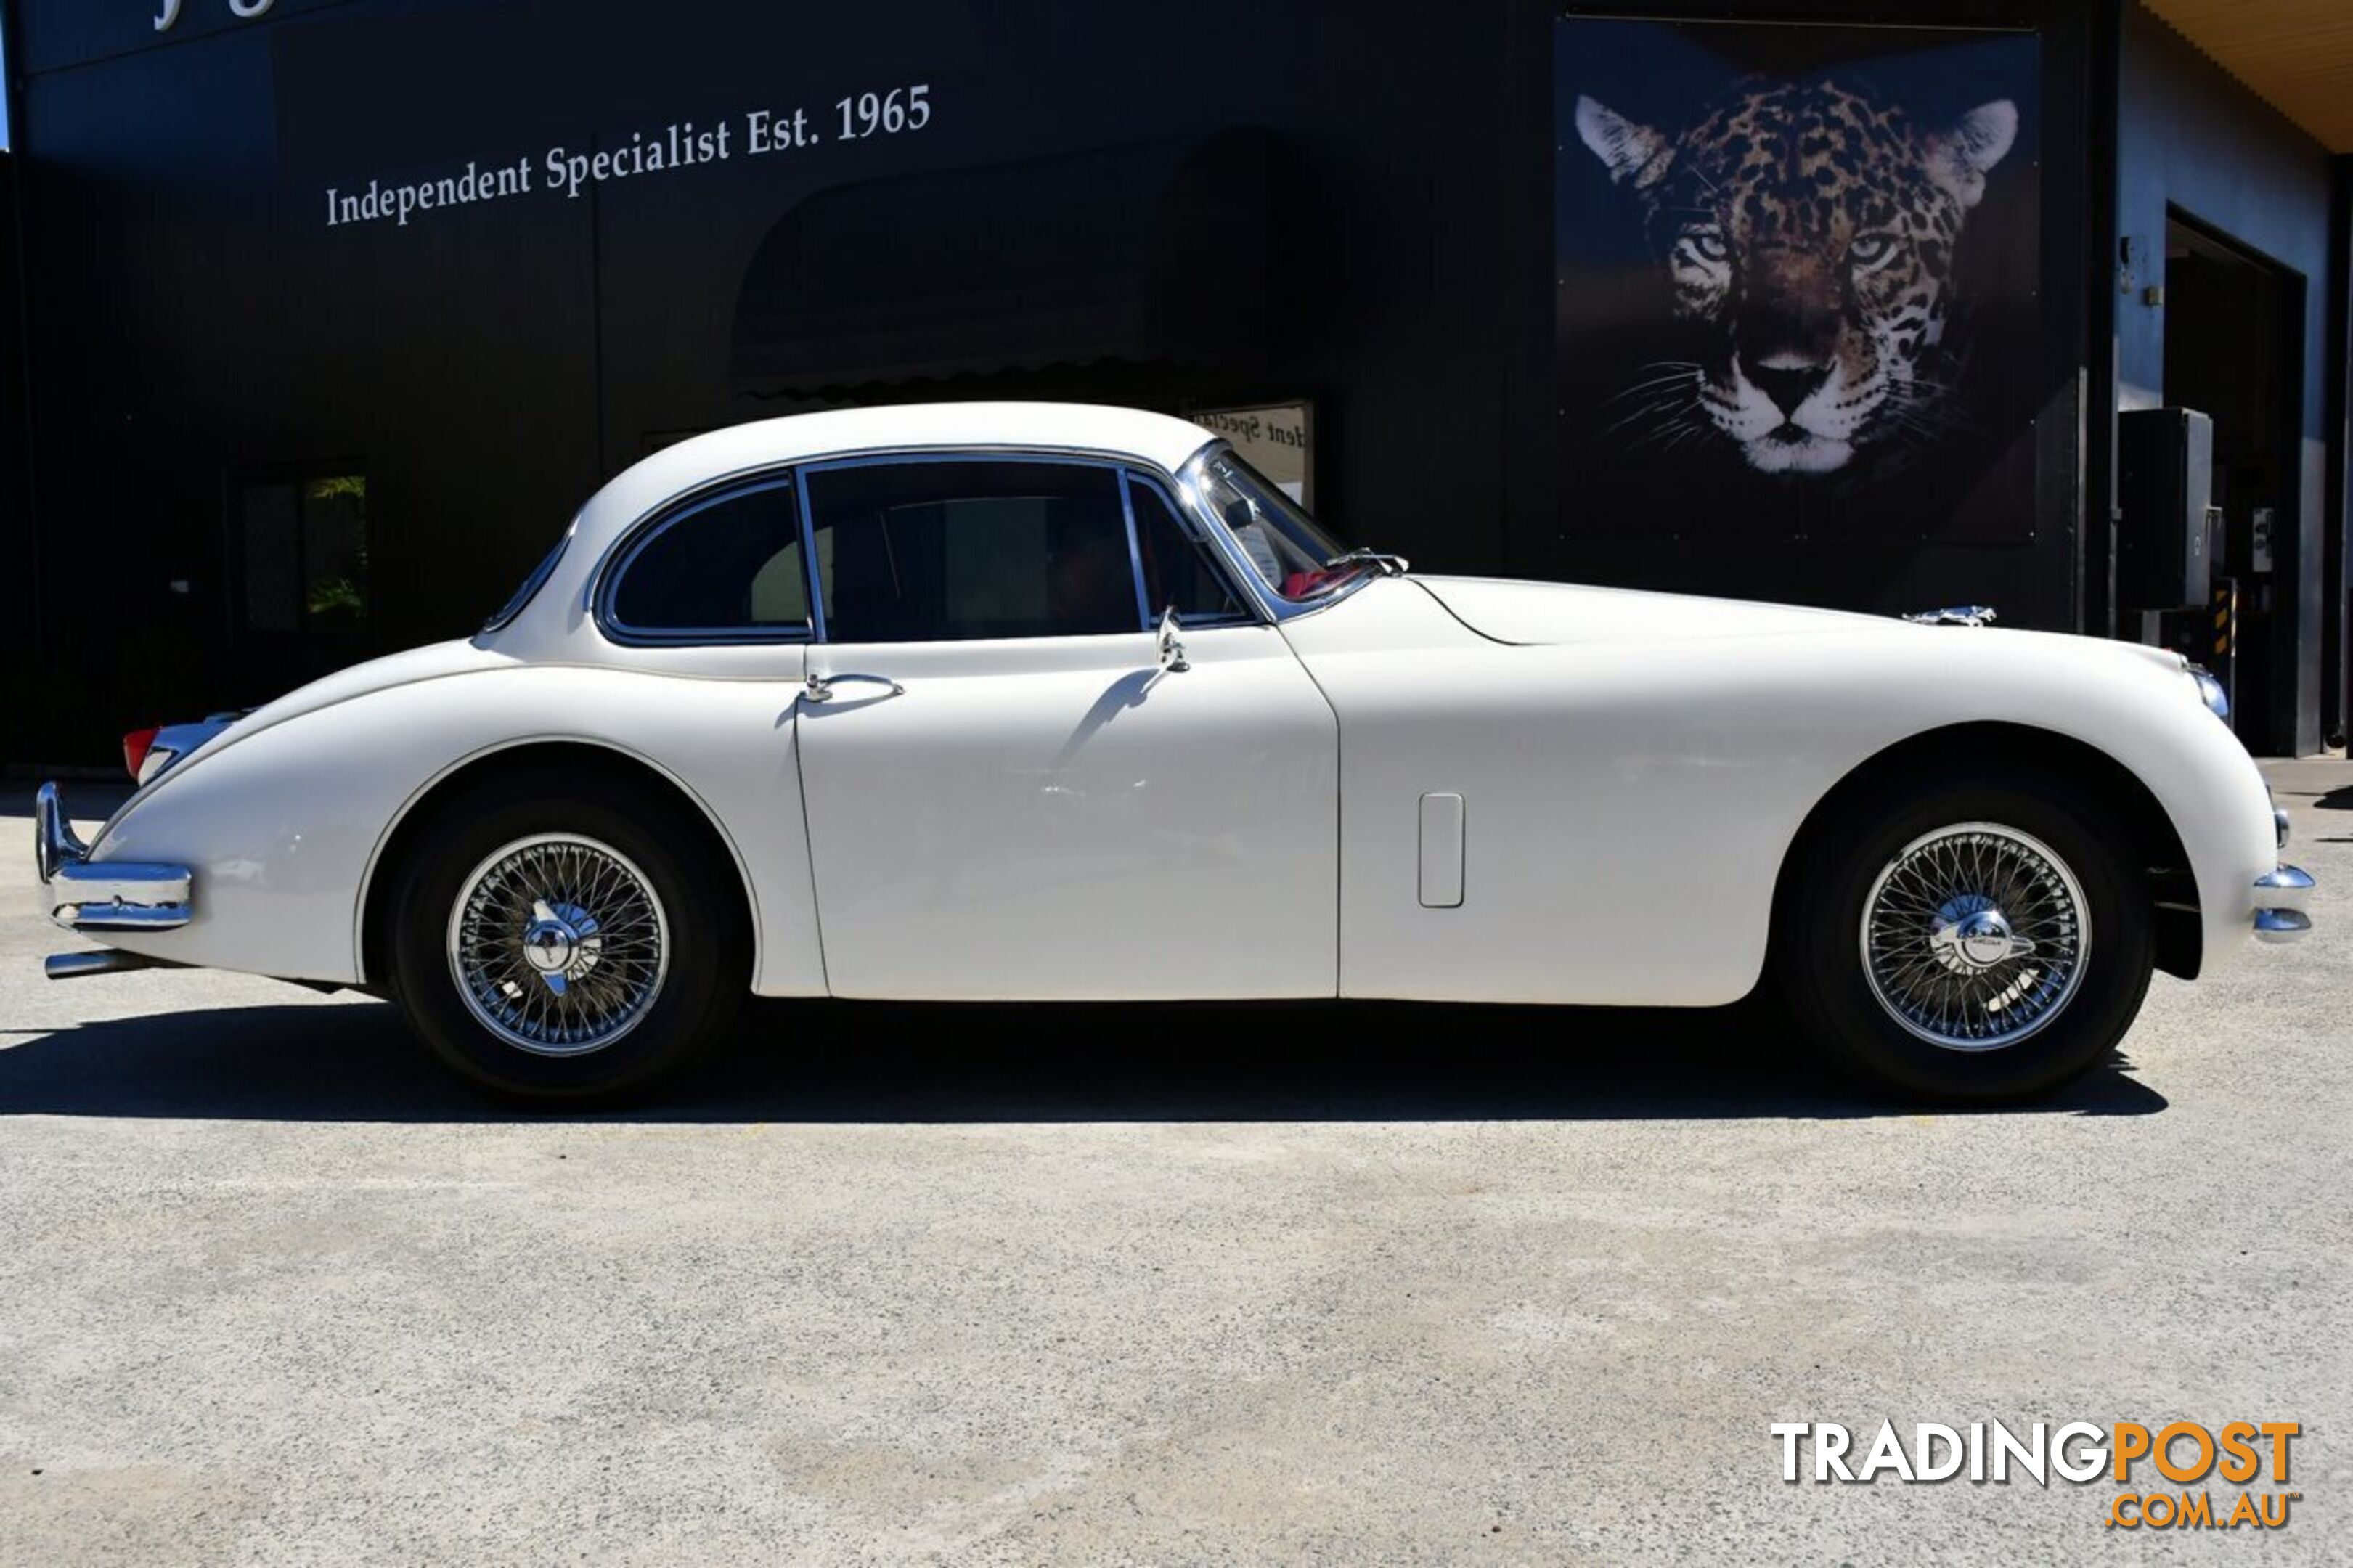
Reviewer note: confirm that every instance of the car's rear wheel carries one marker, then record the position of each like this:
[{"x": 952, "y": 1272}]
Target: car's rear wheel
[
  {"x": 564, "y": 939},
  {"x": 1983, "y": 936}
]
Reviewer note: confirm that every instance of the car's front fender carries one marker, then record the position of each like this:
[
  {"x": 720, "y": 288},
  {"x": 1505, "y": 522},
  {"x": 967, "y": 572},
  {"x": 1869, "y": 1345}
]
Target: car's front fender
[{"x": 1631, "y": 801}]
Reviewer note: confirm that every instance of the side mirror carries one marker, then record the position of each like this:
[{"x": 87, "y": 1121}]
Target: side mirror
[{"x": 1172, "y": 650}]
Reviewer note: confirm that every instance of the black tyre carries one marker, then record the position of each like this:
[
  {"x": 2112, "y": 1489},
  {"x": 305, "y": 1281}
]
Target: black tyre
[
  {"x": 563, "y": 938},
  {"x": 1983, "y": 936}
]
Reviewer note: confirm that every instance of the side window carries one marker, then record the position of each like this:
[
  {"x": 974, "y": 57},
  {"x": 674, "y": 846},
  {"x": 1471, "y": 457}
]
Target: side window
[
  {"x": 1177, "y": 569},
  {"x": 730, "y": 564},
  {"x": 959, "y": 549}
]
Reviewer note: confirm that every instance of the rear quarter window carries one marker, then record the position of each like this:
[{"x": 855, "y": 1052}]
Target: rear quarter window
[{"x": 730, "y": 566}]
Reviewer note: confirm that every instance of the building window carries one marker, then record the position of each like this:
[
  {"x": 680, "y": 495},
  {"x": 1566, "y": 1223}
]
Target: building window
[{"x": 303, "y": 543}]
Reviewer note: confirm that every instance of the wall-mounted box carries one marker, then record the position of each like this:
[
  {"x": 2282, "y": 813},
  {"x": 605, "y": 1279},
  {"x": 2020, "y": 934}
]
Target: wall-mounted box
[{"x": 2164, "y": 476}]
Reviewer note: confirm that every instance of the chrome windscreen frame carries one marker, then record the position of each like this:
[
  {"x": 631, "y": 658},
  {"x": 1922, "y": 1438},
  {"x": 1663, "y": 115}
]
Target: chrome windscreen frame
[{"x": 1272, "y": 605}]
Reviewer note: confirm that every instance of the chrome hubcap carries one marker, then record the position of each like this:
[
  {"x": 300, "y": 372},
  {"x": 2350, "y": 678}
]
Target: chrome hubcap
[
  {"x": 558, "y": 945},
  {"x": 562, "y": 943},
  {"x": 1974, "y": 936},
  {"x": 1971, "y": 934}
]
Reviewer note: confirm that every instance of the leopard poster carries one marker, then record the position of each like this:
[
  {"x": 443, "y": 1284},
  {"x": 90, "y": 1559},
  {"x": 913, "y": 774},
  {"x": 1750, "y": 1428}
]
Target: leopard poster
[{"x": 1797, "y": 279}]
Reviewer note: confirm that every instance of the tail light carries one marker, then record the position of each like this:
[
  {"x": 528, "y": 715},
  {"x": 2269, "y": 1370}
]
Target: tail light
[
  {"x": 134, "y": 749},
  {"x": 147, "y": 752}
]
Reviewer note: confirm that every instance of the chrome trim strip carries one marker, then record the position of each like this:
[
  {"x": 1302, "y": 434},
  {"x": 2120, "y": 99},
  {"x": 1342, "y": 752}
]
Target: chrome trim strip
[
  {"x": 1134, "y": 552},
  {"x": 107, "y": 960},
  {"x": 2279, "y": 927},
  {"x": 808, "y": 561},
  {"x": 2279, "y": 826}
]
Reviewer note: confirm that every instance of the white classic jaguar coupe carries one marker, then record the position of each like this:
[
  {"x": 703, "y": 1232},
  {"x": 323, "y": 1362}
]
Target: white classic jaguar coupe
[{"x": 1029, "y": 702}]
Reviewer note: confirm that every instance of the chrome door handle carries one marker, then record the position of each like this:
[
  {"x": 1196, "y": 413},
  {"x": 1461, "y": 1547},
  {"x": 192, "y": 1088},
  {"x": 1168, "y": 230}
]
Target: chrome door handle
[{"x": 820, "y": 684}]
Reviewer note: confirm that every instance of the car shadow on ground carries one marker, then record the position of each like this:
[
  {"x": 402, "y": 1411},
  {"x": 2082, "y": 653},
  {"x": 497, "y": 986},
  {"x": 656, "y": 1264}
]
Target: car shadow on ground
[{"x": 846, "y": 1062}]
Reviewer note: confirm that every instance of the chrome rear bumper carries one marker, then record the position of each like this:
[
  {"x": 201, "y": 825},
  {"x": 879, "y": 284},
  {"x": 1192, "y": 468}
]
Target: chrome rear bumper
[{"x": 89, "y": 895}]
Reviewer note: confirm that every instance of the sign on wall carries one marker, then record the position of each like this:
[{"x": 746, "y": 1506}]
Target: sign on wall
[
  {"x": 167, "y": 12},
  {"x": 1277, "y": 439},
  {"x": 1797, "y": 279}
]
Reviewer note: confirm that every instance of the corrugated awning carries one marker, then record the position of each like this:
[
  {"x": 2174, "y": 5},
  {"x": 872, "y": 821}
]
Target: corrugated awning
[
  {"x": 2297, "y": 55},
  {"x": 1153, "y": 252}
]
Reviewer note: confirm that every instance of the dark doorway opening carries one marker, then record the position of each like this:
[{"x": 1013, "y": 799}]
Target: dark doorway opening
[{"x": 2233, "y": 352}]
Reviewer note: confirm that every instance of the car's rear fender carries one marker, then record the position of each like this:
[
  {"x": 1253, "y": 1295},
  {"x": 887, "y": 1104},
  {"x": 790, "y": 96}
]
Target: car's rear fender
[{"x": 284, "y": 829}]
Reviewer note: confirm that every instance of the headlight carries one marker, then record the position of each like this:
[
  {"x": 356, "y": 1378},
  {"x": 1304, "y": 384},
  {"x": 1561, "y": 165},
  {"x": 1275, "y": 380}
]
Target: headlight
[{"x": 2211, "y": 692}]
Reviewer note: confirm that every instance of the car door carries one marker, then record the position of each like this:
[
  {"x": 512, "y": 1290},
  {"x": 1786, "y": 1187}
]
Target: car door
[
  {"x": 1009, "y": 794},
  {"x": 713, "y": 593}
]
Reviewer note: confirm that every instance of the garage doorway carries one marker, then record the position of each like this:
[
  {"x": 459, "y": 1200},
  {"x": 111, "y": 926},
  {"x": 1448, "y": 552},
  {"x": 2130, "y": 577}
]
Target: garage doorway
[{"x": 2234, "y": 351}]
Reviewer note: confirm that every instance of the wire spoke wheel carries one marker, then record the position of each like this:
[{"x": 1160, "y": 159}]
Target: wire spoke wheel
[
  {"x": 558, "y": 945},
  {"x": 1975, "y": 936}
]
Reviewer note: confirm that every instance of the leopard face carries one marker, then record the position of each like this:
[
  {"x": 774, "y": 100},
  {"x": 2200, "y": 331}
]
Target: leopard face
[{"x": 1809, "y": 230}]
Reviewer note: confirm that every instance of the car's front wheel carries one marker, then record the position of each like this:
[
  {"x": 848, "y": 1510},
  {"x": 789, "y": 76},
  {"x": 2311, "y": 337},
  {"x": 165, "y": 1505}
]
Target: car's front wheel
[
  {"x": 559, "y": 939},
  {"x": 1984, "y": 936}
]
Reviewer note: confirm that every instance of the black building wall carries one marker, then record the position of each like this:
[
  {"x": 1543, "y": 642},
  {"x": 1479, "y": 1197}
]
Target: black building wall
[
  {"x": 196, "y": 322},
  {"x": 487, "y": 366},
  {"x": 20, "y": 605}
]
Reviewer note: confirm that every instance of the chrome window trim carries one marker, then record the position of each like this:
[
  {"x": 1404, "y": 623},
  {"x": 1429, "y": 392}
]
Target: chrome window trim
[
  {"x": 1135, "y": 553},
  {"x": 1190, "y": 525},
  {"x": 595, "y": 595},
  {"x": 1122, "y": 467},
  {"x": 607, "y": 583},
  {"x": 808, "y": 562},
  {"x": 1272, "y": 606}
]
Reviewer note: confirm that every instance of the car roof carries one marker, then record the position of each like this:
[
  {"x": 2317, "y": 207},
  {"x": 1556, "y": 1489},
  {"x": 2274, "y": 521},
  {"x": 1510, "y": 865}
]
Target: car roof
[
  {"x": 549, "y": 624},
  {"x": 1156, "y": 439}
]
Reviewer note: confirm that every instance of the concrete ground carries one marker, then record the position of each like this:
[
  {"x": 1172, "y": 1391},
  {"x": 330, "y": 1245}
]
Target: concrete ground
[{"x": 1176, "y": 1285}]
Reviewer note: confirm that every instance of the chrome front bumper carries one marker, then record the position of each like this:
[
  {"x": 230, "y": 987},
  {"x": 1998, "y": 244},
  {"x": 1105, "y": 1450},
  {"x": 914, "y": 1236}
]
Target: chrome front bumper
[
  {"x": 2280, "y": 898},
  {"x": 104, "y": 895},
  {"x": 2282, "y": 893}
]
